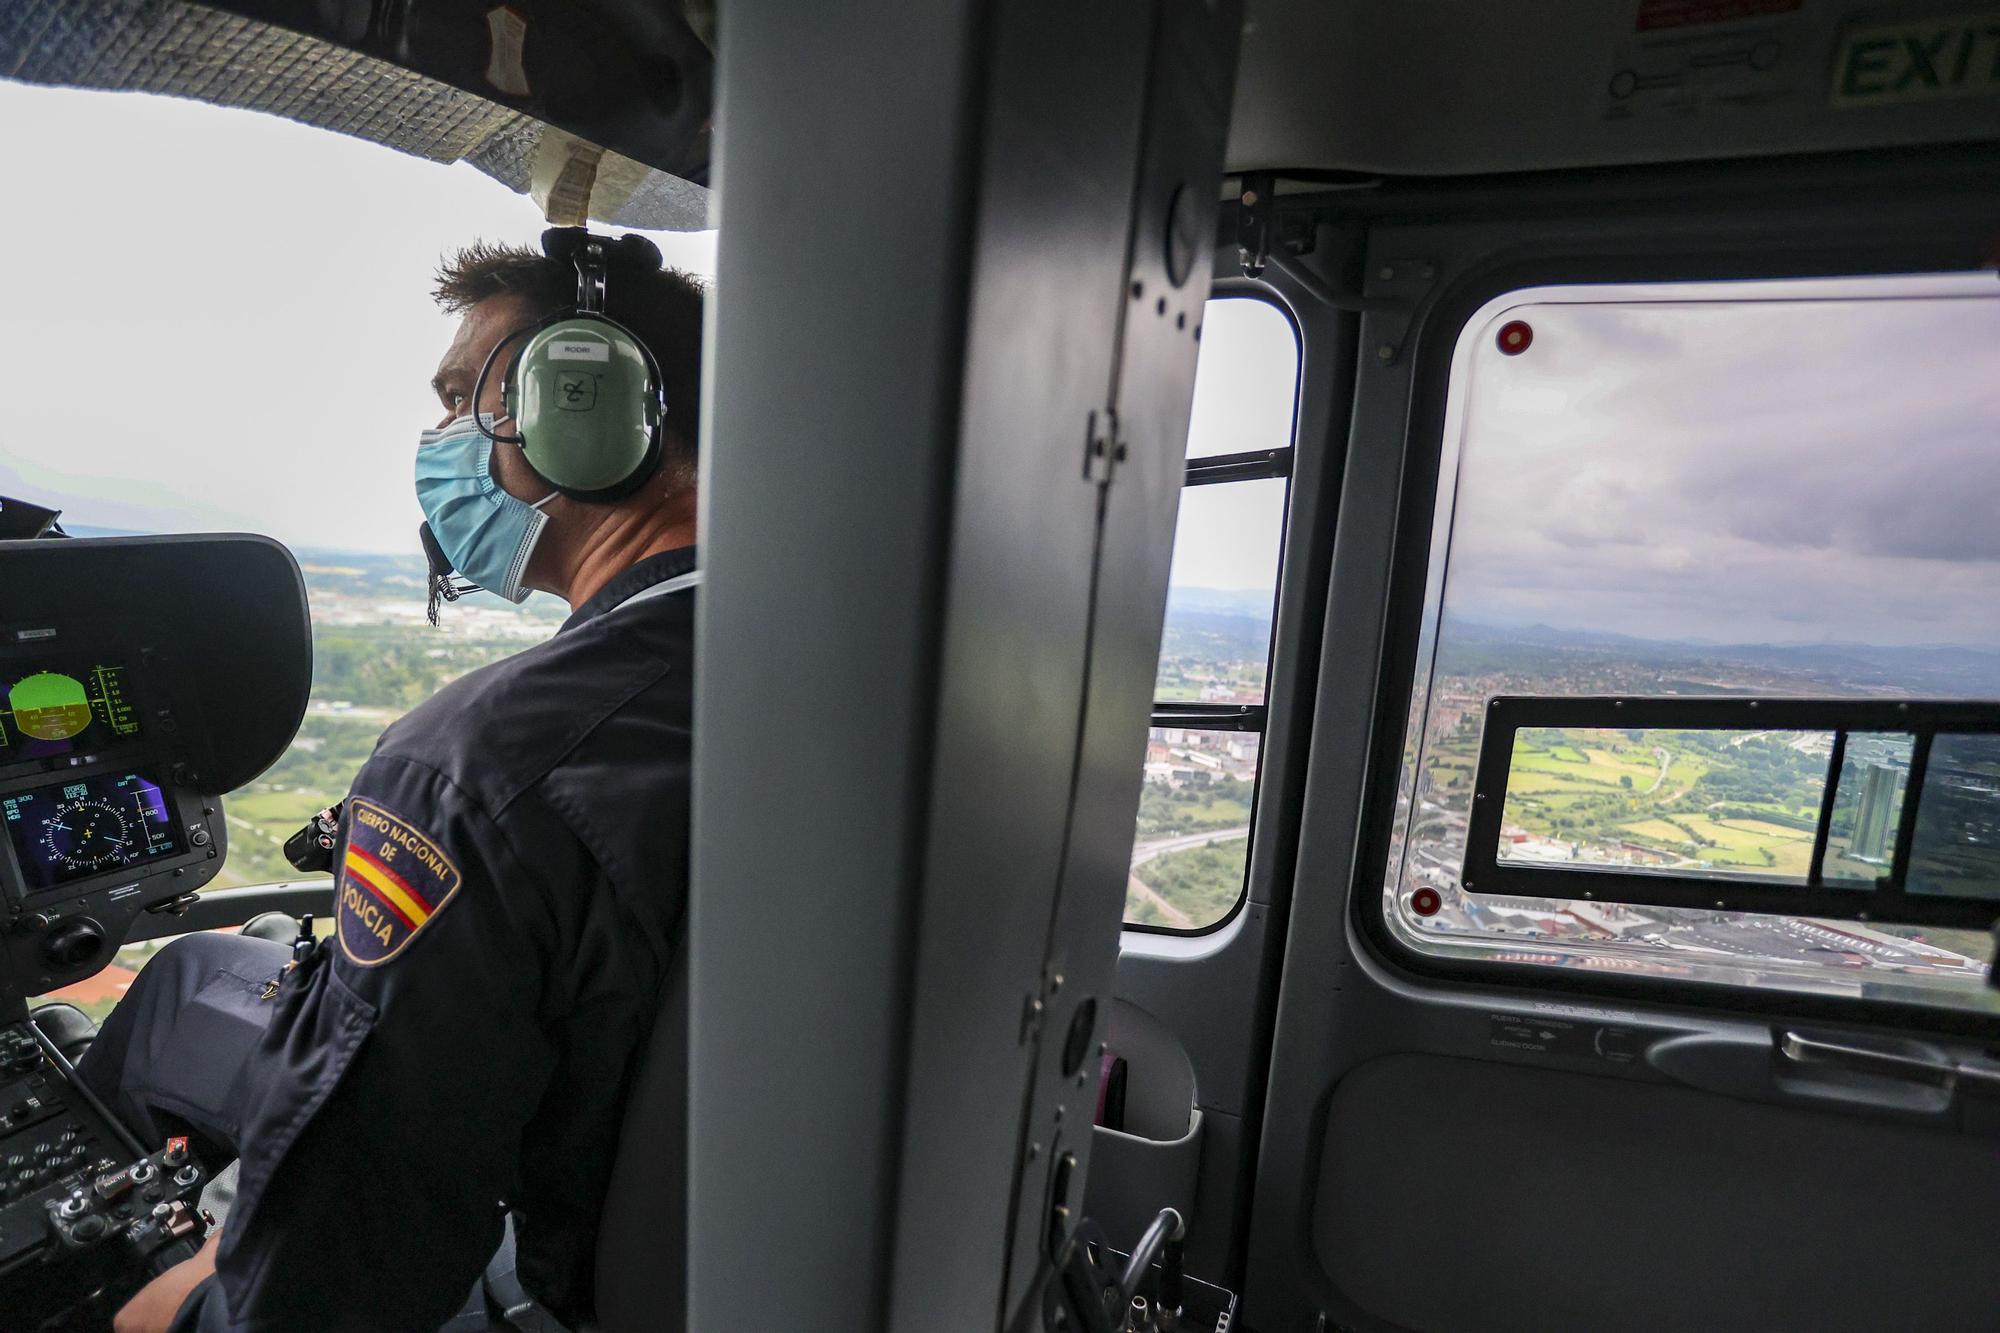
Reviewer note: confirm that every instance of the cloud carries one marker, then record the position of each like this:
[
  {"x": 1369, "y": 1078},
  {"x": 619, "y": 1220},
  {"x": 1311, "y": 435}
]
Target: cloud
[{"x": 1739, "y": 469}]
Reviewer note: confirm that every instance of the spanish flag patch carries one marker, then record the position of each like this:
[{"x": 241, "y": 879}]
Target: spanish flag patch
[{"x": 393, "y": 880}]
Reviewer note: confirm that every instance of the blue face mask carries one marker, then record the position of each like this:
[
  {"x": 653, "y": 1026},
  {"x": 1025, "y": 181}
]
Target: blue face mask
[{"x": 487, "y": 533}]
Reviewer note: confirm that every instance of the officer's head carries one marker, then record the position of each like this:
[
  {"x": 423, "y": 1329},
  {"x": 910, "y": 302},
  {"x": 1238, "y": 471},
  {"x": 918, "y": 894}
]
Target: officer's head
[{"x": 497, "y": 290}]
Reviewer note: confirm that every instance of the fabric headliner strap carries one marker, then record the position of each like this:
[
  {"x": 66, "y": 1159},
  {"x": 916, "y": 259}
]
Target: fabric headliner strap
[{"x": 186, "y": 50}]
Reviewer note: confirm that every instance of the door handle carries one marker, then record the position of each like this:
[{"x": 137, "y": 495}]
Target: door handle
[{"x": 1948, "y": 1073}]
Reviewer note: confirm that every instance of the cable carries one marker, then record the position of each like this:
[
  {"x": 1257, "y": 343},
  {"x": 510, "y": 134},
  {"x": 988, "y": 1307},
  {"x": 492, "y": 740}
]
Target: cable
[{"x": 1167, "y": 1228}]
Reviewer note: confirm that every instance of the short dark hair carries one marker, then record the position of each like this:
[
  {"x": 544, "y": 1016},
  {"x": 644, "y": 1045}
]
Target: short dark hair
[{"x": 662, "y": 305}]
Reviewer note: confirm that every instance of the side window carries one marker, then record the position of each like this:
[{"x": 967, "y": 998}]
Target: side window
[
  {"x": 1768, "y": 489},
  {"x": 289, "y": 404},
  {"x": 1193, "y": 839}
]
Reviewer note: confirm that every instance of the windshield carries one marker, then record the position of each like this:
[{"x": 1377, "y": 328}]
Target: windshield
[{"x": 229, "y": 321}]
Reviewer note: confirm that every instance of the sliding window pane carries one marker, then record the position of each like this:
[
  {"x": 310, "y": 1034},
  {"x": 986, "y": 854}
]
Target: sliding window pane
[
  {"x": 1221, "y": 593},
  {"x": 1716, "y": 802},
  {"x": 1957, "y": 846},
  {"x": 1194, "y": 827},
  {"x": 1245, "y": 379},
  {"x": 1867, "y": 808}
]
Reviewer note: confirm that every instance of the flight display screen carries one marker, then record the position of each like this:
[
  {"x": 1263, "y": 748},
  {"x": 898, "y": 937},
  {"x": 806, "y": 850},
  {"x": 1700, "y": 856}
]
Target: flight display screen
[
  {"x": 61, "y": 707},
  {"x": 71, "y": 830}
]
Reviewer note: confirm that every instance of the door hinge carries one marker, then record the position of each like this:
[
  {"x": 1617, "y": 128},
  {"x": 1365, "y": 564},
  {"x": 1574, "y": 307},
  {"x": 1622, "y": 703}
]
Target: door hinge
[{"x": 1103, "y": 448}]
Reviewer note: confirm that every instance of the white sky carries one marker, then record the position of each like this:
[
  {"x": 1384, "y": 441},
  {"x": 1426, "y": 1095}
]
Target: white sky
[
  {"x": 222, "y": 320},
  {"x": 1244, "y": 387},
  {"x": 1769, "y": 471}
]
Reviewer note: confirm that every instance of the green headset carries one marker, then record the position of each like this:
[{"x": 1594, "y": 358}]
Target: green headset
[{"x": 584, "y": 392}]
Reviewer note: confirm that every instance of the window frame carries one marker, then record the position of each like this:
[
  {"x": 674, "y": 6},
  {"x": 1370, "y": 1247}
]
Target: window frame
[
  {"x": 1220, "y": 470},
  {"x": 1770, "y": 253},
  {"x": 1922, "y": 720}
]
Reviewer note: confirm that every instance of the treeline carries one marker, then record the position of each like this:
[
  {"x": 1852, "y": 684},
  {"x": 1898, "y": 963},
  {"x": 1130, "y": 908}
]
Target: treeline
[
  {"x": 1204, "y": 882},
  {"x": 389, "y": 666},
  {"x": 1224, "y": 803}
]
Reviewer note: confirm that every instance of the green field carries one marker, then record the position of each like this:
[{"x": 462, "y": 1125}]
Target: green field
[
  {"x": 1203, "y": 882},
  {"x": 1744, "y": 803}
]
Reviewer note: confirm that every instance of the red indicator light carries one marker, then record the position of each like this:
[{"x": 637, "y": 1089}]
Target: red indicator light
[
  {"x": 1426, "y": 902},
  {"x": 1515, "y": 336}
]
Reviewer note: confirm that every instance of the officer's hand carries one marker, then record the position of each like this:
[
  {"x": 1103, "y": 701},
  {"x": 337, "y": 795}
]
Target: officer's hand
[{"x": 154, "y": 1308}]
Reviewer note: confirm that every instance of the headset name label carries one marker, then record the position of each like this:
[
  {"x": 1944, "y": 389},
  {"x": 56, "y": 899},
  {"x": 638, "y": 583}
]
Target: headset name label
[{"x": 578, "y": 349}]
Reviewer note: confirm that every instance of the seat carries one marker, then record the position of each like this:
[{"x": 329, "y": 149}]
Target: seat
[
  {"x": 641, "y": 1281},
  {"x": 642, "y": 1232}
]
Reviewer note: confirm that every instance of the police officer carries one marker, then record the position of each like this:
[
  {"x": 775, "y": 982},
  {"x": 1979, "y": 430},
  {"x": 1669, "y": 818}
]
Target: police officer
[{"x": 510, "y": 883}]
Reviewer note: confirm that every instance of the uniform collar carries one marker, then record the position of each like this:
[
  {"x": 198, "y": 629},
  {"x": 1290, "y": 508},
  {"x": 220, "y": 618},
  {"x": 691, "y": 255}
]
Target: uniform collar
[{"x": 650, "y": 572}]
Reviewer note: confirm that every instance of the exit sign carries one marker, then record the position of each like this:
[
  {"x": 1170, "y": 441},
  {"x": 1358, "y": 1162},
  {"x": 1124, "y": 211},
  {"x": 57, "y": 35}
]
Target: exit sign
[{"x": 1921, "y": 59}]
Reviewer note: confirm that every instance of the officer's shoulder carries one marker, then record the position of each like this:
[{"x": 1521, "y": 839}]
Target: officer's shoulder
[{"x": 497, "y": 729}]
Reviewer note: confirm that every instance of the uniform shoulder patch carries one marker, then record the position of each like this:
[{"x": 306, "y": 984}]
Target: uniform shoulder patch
[{"x": 393, "y": 881}]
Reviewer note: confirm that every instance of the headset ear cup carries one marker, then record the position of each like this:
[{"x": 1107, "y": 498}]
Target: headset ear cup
[{"x": 586, "y": 402}]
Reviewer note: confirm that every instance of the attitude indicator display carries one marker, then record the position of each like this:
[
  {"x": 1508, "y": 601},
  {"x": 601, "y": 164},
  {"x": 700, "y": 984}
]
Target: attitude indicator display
[
  {"x": 51, "y": 709},
  {"x": 92, "y": 826}
]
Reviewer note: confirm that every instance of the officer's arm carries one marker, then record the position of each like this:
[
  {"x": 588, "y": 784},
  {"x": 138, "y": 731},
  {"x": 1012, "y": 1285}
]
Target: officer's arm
[{"x": 398, "y": 1079}]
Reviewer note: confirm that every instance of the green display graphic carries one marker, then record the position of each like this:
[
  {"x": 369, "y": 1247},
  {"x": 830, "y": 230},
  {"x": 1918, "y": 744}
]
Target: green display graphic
[{"x": 47, "y": 707}]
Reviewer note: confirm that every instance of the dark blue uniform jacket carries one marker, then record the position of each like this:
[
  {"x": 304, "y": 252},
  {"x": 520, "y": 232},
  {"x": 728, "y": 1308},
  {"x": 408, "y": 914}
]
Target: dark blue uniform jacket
[{"x": 510, "y": 890}]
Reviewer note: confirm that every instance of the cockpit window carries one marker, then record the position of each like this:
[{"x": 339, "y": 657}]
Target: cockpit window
[
  {"x": 1193, "y": 841},
  {"x": 224, "y": 321},
  {"x": 1761, "y": 489}
]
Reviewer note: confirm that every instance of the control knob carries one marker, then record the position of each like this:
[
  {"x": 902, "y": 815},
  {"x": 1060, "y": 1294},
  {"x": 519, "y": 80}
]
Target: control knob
[
  {"x": 19, "y": 1054},
  {"x": 73, "y": 942}
]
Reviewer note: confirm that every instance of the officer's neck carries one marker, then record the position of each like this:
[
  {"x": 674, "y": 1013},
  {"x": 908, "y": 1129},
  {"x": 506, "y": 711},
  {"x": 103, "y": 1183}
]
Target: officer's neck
[{"x": 620, "y": 539}]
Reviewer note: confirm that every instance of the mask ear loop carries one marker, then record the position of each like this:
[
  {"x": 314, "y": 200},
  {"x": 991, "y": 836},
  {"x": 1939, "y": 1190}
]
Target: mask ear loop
[{"x": 479, "y": 385}]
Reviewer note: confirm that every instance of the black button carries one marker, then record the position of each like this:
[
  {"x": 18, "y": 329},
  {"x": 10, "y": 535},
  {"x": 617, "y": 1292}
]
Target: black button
[{"x": 88, "y": 1229}]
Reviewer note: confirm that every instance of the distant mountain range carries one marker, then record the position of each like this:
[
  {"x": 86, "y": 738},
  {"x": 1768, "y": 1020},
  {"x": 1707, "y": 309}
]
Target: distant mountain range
[
  {"x": 1217, "y": 625},
  {"x": 1937, "y": 670}
]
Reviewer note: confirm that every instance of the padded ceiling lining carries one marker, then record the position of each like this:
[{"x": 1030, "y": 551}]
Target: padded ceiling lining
[
  {"x": 1469, "y": 86},
  {"x": 185, "y": 50}
]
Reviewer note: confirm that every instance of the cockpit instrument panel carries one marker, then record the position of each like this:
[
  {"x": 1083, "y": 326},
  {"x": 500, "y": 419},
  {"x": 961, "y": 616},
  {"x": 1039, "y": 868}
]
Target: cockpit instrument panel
[
  {"x": 140, "y": 679},
  {"x": 92, "y": 774},
  {"x": 56, "y": 707},
  {"x": 100, "y": 824}
]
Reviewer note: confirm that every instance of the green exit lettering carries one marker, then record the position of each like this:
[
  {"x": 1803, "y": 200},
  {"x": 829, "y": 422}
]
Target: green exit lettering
[{"x": 1956, "y": 57}]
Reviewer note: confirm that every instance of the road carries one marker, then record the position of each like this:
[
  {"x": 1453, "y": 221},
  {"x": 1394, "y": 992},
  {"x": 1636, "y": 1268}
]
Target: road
[
  {"x": 1147, "y": 851},
  {"x": 1666, "y": 762}
]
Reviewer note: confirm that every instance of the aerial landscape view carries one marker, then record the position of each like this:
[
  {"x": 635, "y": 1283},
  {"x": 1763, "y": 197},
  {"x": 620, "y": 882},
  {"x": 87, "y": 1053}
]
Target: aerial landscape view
[
  {"x": 1193, "y": 833},
  {"x": 1727, "y": 802},
  {"x": 1721, "y": 802},
  {"x": 375, "y": 657}
]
